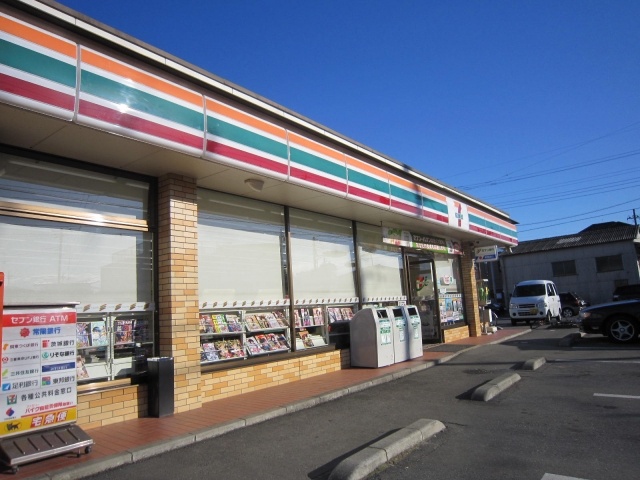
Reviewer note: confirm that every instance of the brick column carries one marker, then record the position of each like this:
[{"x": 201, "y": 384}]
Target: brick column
[
  {"x": 178, "y": 286},
  {"x": 470, "y": 290}
]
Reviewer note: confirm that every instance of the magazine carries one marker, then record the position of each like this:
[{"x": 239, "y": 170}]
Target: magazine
[
  {"x": 220, "y": 323},
  {"x": 262, "y": 320},
  {"x": 251, "y": 322},
  {"x": 281, "y": 318},
  {"x": 263, "y": 341},
  {"x": 271, "y": 320},
  {"x": 83, "y": 334},
  {"x": 318, "y": 317},
  {"x": 141, "y": 330},
  {"x": 282, "y": 340},
  {"x": 303, "y": 335},
  {"x": 234, "y": 346},
  {"x": 211, "y": 353},
  {"x": 124, "y": 331},
  {"x": 306, "y": 318},
  {"x": 296, "y": 318},
  {"x": 253, "y": 347},
  {"x": 277, "y": 341},
  {"x": 99, "y": 337},
  {"x": 233, "y": 321},
  {"x": 206, "y": 324},
  {"x": 347, "y": 313},
  {"x": 229, "y": 348},
  {"x": 337, "y": 313},
  {"x": 81, "y": 370}
]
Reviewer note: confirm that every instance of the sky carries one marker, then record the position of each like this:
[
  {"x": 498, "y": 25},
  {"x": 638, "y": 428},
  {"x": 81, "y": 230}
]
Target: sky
[{"x": 532, "y": 106}]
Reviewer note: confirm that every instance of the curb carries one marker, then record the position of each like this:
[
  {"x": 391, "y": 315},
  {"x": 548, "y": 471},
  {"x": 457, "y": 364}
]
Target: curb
[
  {"x": 493, "y": 387},
  {"x": 362, "y": 463},
  {"x": 534, "y": 363},
  {"x": 570, "y": 339}
]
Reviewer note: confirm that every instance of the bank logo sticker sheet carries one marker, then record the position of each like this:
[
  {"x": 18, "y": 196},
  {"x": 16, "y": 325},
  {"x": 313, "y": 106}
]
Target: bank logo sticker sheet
[{"x": 38, "y": 366}]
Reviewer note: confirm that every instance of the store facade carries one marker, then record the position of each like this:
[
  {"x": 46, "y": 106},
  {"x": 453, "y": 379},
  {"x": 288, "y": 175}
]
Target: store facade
[{"x": 191, "y": 219}]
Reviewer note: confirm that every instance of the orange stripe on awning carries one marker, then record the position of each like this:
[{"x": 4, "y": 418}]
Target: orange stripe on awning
[
  {"x": 316, "y": 147},
  {"x": 378, "y": 172},
  {"x": 432, "y": 194},
  {"x": 490, "y": 217},
  {"x": 37, "y": 36},
  {"x": 104, "y": 63},
  {"x": 242, "y": 117}
]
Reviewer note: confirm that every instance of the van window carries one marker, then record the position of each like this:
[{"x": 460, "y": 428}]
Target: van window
[{"x": 535, "y": 290}]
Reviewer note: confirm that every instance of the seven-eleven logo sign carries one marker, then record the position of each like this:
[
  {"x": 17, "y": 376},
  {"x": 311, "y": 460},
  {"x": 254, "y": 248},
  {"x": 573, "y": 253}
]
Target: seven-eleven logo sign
[{"x": 458, "y": 216}]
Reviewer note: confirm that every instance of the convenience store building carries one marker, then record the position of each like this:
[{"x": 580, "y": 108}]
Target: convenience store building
[{"x": 193, "y": 219}]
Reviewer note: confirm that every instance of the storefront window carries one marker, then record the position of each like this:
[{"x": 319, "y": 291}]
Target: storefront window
[
  {"x": 449, "y": 283},
  {"x": 241, "y": 247},
  {"x": 48, "y": 261},
  {"x": 380, "y": 264},
  {"x": 322, "y": 256},
  {"x": 75, "y": 235},
  {"x": 58, "y": 189}
]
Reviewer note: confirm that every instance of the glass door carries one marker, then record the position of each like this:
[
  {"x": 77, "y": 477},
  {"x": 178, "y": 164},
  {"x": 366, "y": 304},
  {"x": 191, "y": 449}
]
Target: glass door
[{"x": 423, "y": 294}]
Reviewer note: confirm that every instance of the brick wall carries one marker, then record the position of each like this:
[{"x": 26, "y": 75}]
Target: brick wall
[
  {"x": 453, "y": 334},
  {"x": 112, "y": 406},
  {"x": 470, "y": 290},
  {"x": 237, "y": 381},
  {"x": 178, "y": 286}
]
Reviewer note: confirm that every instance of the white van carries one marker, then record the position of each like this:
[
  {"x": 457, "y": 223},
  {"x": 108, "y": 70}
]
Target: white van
[{"x": 535, "y": 300}]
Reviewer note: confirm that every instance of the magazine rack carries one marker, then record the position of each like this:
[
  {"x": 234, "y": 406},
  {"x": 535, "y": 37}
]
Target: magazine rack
[{"x": 227, "y": 335}]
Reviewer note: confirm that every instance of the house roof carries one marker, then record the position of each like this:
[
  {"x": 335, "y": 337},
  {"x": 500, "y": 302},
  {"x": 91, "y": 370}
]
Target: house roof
[{"x": 596, "y": 234}]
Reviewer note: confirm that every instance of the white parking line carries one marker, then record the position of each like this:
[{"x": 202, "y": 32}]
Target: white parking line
[
  {"x": 551, "y": 476},
  {"x": 564, "y": 360},
  {"x": 634, "y": 397}
]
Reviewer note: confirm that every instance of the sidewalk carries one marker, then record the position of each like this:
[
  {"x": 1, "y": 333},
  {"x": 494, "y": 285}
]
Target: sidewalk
[{"x": 136, "y": 439}]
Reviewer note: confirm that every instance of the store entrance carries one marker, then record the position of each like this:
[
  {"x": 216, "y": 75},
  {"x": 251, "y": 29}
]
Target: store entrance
[{"x": 423, "y": 293}]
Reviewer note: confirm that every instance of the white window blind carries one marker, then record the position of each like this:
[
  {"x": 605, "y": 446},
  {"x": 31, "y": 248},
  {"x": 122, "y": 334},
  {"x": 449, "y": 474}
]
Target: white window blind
[
  {"x": 240, "y": 245},
  {"x": 322, "y": 256}
]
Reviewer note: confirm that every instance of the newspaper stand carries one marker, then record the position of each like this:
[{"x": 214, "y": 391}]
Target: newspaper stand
[
  {"x": 371, "y": 338},
  {"x": 400, "y": 334},
  {"x": 414, "y": 329},
  {"x": 39, "y": 384}
]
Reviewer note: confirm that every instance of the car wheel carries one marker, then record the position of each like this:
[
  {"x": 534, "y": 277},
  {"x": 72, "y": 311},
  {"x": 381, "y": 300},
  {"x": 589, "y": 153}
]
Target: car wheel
[
  {"x": 622, "y": 330},
  {"x": 567, "y": 312}
]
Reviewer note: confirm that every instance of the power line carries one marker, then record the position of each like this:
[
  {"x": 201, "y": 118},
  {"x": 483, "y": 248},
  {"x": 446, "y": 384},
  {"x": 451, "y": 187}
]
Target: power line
[{"x": 586, "y": 213}]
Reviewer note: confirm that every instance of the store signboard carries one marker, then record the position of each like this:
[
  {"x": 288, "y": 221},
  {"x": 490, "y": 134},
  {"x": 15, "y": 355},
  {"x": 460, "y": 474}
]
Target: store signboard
[
  {"x": 486, "y": 254},
  {"x": 404, "y": 238},
  {"x": 38, "y": 366}
]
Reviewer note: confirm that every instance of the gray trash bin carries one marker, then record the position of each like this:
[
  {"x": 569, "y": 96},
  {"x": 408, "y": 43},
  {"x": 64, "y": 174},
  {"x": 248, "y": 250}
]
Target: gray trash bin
[{"x": 160, "y": 386}]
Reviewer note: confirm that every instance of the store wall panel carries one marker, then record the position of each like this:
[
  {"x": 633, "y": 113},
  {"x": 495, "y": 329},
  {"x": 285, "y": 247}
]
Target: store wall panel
[
  {"x": 405, "y": 196},
  {"x": 316, "y": 165},
  {"x": 239, "y": 139},
  {"x": 37, "y": 69},
  {"x": 366, "y": 183},
  {"x": 434, "y": 205},
  {"x": 491, "y": 226},
  {"x": 131, "y": 102}
]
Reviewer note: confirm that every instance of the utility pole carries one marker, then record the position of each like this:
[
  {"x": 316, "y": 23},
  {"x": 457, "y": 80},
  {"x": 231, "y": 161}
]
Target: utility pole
[{"x": 634, "y": 217}]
